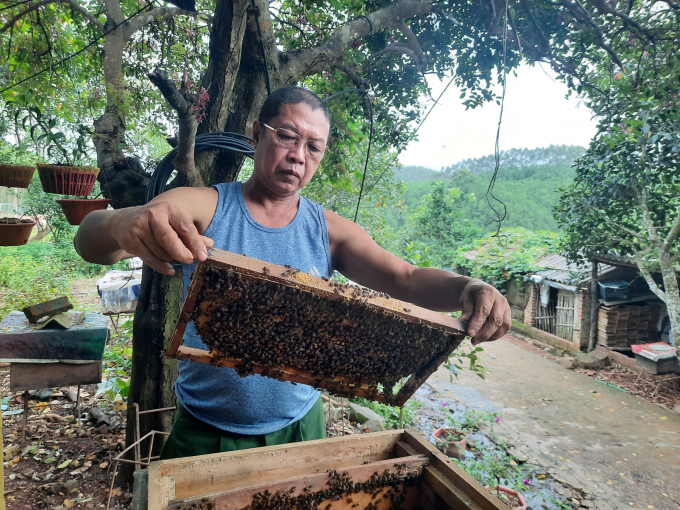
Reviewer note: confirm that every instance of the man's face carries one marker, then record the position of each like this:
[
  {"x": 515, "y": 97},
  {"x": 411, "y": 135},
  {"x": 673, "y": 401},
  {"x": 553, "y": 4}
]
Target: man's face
[{"x": 283, "y": 171}]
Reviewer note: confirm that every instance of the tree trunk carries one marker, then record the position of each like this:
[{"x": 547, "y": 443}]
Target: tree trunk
[
  {"x": 670, "y": 283},
  {"x": 122, "y": 179},
  {"x": 153, "y": 374}
]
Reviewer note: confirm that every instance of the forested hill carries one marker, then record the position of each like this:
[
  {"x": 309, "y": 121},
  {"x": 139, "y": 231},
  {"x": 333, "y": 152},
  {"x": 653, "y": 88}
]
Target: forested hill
[
  {"x": 527, "y": 183},
  {"x": 520, "y": 158}
]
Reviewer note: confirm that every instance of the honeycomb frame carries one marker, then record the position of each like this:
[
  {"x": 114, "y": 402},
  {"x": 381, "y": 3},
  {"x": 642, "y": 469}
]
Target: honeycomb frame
[{"x": 254, "y": 270}]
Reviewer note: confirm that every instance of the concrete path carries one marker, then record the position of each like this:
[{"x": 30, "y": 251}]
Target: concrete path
[{"x": 616, "y": 447}]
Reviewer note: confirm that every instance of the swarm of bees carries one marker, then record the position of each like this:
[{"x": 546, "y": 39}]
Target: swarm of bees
[
  {"x": 204, "y": 504},
  {"x": 283, "y": 327},
  {"x": 341, "y": 486}
]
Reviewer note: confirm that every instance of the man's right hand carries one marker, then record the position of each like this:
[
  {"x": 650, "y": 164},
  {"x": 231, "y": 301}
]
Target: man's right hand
[
  {"x": 158, "y": 233},
  {"x": 164, "y": 230}
]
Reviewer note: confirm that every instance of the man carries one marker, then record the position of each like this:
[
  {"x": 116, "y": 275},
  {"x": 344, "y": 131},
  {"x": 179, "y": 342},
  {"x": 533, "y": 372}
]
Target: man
[{"x": 266, "y": 218}]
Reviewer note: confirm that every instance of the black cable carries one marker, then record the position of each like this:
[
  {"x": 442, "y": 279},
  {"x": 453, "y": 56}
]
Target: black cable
[
  {"x": 77, "y": 52},
  {"x": 411, "y": 135},
  {"x": 220, "y": 140},
  {"x": 497, "y": 153},
  {"x": 264, "y": 53},
  {"x": 370, "y": 139}
]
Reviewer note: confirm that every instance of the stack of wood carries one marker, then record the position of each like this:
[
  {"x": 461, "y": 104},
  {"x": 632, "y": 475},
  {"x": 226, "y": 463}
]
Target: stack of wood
[{"x": 620, "y": 326}]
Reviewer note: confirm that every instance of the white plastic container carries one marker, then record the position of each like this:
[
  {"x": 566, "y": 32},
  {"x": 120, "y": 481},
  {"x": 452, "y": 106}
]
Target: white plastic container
[{"x": 119, "y": 291}]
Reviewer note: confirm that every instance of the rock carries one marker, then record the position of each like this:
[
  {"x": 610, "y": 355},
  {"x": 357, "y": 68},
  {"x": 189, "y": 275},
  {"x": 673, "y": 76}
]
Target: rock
[
  {"x": 375, "y": 425},
  {"x": 587, "y": 504},
  {"x": 103, "y": 429},
  {"x": 362, "y": 414},
  {"x": 63, "y": 487},
  {"x": 567, "y": 362},
  {"x": 595, "y": 360},
  {"x": 676, "y": 409}
]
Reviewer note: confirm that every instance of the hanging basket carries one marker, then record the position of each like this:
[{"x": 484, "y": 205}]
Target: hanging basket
[
  {"x": 14, "y": 231},
  {"x": 75, "y": 209},
  {"x": 16, "y": 176},
  {"x": 68, "y": 180}
]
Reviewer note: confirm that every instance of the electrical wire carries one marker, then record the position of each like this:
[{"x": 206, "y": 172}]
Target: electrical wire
[
  {"x": 256, "y": 10},
  {"x": 387, "y": 167},
  {"x": 370, "y": 139},
  {"x": 89, "y": 45},
  {"x": 499, "y": 218},
  {"x": 220, "y": 140}
]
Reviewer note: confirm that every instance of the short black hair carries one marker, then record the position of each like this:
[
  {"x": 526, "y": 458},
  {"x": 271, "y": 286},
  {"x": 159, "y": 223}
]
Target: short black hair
[{"x": 290, "y": 95}]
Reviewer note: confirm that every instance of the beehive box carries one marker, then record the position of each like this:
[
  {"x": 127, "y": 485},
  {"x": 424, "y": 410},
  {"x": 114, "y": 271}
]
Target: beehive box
[
  {"x": 274, "y": 320},
  {"x": 397, "y": 469}
]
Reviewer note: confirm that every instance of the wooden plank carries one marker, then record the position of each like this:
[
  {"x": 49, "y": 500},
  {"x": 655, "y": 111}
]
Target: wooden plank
[
  {"x": 36, "y": 376},
  {"x": 297, "y": 486},
  {"x": 451, "y": 472},
  {"x": 430, "y": 500},
  {"x": 200, "y": 475},
  {"x": 372, "y": 304},
  {"x": 445, "y": 489}
]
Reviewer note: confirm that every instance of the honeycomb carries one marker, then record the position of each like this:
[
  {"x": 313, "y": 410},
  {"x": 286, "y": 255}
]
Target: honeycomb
[{"x": 337, "y": 335}]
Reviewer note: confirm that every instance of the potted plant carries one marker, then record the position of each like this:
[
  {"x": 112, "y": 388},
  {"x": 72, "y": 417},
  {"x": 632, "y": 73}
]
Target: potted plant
[
  {"x": 16, "y": 176},
  {"x": 75, "y": 209},
  {"x": 510, "y": 497},
  {"x": 452, "y": 442},
  {"x": 69, "y": 176},
  {"x": 15, "y": 231},
  {"x": 498, "y": 469}
]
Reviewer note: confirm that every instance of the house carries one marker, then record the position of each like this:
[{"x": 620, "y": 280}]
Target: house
[{"x": 554, "y": 304}]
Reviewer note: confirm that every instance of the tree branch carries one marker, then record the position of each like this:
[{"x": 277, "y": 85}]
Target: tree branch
[
  {"x": 605, "y": 7},
  {"x": 675, "y": 230},
  {"x": 314, "y": 60},
  {"x": 641, "y": 195},
  {"x": 421, "y": 60},
  {"x": 148, "y": 17},
  {"x": 653, "y": 286},
  {"x": 76, "y": 6},
  {"x": 188, "y": 108},
  {"x": 358, "y": 81}
]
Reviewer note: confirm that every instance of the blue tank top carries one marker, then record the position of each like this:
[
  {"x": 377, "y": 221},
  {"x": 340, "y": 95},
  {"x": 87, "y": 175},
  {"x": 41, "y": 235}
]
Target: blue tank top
[{"x": 219, "y": 396}]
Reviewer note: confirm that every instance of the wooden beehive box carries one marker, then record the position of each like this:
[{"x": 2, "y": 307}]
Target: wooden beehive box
[
  {"x": 273, "y": 320},
  {"x": 415, "y": 475}
]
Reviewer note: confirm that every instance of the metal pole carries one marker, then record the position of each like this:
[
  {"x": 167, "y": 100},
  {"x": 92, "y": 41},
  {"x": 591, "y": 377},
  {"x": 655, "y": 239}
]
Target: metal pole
[
  {"x": 137, "y": 434},
  {"x": 594, "y": 305}
]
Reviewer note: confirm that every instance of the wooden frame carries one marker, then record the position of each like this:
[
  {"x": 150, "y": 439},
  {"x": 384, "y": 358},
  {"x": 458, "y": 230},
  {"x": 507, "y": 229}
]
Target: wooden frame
[
  {"x": 260, "y": 270},
  {"x": 231, "y": 479}
]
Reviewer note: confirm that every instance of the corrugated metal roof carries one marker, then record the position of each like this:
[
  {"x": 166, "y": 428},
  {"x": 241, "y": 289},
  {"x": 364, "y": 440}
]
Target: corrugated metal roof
[{"x": 558, "y": 269}]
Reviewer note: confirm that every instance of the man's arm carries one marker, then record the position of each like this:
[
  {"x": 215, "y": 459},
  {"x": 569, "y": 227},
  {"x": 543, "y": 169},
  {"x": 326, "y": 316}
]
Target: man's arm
[
  {"x": 356, "y": 255},
  {"x": 166, "y": 229}
]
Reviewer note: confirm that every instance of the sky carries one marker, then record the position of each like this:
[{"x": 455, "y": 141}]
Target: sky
[{"x": 536, "y": 114}]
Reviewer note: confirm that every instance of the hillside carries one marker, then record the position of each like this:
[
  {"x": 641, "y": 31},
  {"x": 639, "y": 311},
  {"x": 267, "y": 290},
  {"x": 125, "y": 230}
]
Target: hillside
[{"x": 527, "y": 183}]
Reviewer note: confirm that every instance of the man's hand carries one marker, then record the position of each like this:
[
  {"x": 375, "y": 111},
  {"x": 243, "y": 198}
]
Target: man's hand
[
  {"x": 486, "y": 310},
  {"x": 159, "y": 233}
]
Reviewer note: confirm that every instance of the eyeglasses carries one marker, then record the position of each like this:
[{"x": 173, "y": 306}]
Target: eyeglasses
[{"x": 290, "y": 140}]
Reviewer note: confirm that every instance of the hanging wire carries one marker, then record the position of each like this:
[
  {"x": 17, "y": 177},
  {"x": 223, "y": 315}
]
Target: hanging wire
[
  {"x": 256, "y": 10},
  {"x": 499, "y": 218},
  {"x": 389, "y": 165},
  {"x": 89, "y": 45},
  {"x": 370, "y": 139}
]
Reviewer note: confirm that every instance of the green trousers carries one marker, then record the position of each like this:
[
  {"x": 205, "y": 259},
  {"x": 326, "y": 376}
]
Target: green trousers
[{"x": 190, "y": 436}]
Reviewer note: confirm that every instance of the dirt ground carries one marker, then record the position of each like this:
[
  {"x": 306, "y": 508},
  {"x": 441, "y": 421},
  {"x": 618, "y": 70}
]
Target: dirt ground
[
  {"x": 618, "y": 449},
  {"x": 62, "y": 464}
]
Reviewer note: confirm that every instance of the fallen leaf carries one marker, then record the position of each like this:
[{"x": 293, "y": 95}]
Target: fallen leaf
[
  {"x": 104, "y": 464},
  {"x": 49, "y": 460},
  {"x": 664, "y": 418},
  {"x": 64, "y": 464},
  {"x": 597, "y": 394},
  {"x": 68, "y": 503}
]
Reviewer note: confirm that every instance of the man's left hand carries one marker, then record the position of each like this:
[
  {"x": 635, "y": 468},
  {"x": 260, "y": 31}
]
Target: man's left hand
[{"x": 486, "y": 310}]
